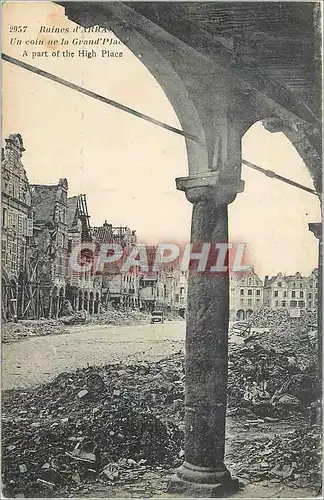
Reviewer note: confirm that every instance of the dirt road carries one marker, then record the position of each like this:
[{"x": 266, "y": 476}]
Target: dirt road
[{"x": 38, "y": 359}]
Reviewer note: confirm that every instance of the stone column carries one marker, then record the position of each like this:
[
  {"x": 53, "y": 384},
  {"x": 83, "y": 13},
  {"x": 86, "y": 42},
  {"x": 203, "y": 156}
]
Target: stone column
[
  {"x": 203, "y": 474},
  {"x": 76, "y": 303}
]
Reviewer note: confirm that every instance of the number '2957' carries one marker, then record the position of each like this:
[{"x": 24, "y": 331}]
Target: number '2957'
[{"x": 17, "y": 29}]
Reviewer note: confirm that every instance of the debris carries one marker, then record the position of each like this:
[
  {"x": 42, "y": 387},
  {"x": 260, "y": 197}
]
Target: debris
[
  {"x": 102, "y": 429},
  {"x": 77, "y": 318},
  {"x": 116, "y": 432},
  {"x": 83, "y": 393},
  {"x": 85, "y": 451},
  {"x": 46, "y": 483}
]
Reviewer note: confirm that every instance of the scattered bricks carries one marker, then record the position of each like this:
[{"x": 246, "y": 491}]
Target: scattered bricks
[
  {"x": 47, "y": 484},
  {"x": 22, "y": 468},
  {"x": 131, "y": 428},
  {"x": 83, "y": 393}
]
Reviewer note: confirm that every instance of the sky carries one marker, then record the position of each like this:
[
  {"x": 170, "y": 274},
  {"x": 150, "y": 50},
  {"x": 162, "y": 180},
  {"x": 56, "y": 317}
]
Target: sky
[{"x": 126, "y": 166}]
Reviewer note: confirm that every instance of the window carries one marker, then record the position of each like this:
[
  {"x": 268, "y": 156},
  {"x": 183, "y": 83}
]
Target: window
[
  {"x": 283, "y": 303},
  {"x": 258, "y": 292},
  {"x": 309, "y": 304},
  {"x": 293, "y": 294},
  {"x": 249, "y": 302},
  {"x": 14, "y": 256},
  {"x": 250, "y": 281},
  {"x": 301, "y": 294},
  {"x": 16, "y": 187},
  {"x": 293, "y": 303},
  {"x": 285, "y": 294},
  {"x": 301, "y": 303},
  {"x": 257, "y": 301},
  {"x": 4, "y": 217},
  {"x": 309, "y": 295},
  {"x": 242, "y": 291},
  {"x": 277, "y": 303},
  {"x": 249, "y": 292},
  {"x": 280, "y": 284},
  {"x": 300, "y": 285},
  {"x": 276, "y": 293},
  {"x": 3, "y": 252}
]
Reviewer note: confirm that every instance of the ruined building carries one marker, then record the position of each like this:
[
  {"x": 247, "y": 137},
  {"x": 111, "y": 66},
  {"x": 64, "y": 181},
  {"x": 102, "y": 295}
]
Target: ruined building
[
  {"x": 119, "y": 288},
  {"x": 16, "y": 226},
  {"x": 83, "y": 289},
  {"x": 50, "y": 244},
  {"x": 291, "y": 292},
  {"x": 246, "y": 295}
]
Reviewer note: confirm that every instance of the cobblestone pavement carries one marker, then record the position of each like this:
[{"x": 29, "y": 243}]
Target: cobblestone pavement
[{"x": 39, "y": 359}]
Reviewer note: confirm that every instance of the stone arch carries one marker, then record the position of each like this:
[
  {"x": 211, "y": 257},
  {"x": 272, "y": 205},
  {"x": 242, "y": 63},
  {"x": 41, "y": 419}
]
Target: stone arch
[
  {"x": 305, "y": 139},
  {"x": 91, "y": 303},
  {"x": 248, "y": 313},
  {"x": 97, "y": 303},
  {"x": 55, "y": 302},
  {"x": 61, "y": 299},
  {"x": 80, "y": 301},
  {"x": 86, "y": 301},
  {"x": 178, "y": 92},
  {"x": 240, "y": 315}
]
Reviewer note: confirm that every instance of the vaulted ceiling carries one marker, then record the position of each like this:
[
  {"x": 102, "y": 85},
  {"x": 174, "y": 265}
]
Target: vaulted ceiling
[{"x": 278, "y": 39}]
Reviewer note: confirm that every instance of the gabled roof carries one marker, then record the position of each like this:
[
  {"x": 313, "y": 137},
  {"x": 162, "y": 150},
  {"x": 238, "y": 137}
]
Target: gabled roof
[{"x": 72, "y": 209}]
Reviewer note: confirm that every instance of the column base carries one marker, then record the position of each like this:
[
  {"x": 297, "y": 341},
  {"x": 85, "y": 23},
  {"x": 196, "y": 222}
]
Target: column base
[{"x": 193, "y": 481}]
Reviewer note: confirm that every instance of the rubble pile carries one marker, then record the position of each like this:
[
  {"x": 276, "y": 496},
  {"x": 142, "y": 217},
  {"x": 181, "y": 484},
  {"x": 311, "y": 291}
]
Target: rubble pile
[
  {"x": 279, "y": 321},
  {"x": 293, "y": 459},
  {"x": 94, "y": 424},
  {"x": 12, "y": 332},
  {"x": 122, "y": 316},
  {"x": 112, "y": 424},
  {"x": 269, "y": 383}
]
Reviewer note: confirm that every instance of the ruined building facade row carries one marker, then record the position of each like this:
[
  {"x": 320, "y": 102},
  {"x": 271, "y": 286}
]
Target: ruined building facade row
[
  {"x": 41, "y": 225},
  {"x": 281, "y": 292}
]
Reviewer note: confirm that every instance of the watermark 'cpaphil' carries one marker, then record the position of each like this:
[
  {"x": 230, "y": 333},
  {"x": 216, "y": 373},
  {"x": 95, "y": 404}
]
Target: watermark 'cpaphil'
[{"x": 111, "y": 258}]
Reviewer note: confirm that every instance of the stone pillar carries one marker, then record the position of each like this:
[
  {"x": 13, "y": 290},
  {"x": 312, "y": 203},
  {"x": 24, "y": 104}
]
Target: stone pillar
[
  {"x": 316, "y": 229},
  {"x": 76, "y": 303},
  {"x": 50, "y": 305},
  {"x": 203, "y": 474},
  {"x": 81, "y": 299}
]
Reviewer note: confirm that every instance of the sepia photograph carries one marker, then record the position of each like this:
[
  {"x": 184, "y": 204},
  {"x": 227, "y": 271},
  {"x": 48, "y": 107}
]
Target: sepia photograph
[{"x": 161, "y": 258}]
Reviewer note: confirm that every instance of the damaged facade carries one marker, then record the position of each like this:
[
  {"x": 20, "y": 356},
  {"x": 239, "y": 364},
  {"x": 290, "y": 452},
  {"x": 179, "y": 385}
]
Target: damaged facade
[
  {"x": 119, "y": 288},
  {"x": 16, "y": 225},
  {"x": 291, "y": 292},
  {"x": 83, "y": 289},
  {"x": 246, "y": 295},
  {"x": 50, "y": 244}
]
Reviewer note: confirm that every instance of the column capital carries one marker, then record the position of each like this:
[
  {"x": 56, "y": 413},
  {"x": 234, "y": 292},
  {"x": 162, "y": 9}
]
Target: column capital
[
  {"x": 316, "y": 229},
  {"x": 209, "y": 186}
]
